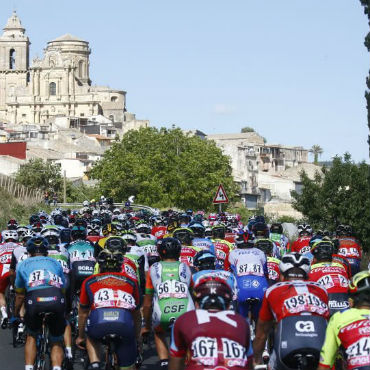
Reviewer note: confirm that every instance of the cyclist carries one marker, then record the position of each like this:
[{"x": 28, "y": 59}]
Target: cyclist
[
  {"x": 349, "y": 247},
  {"x": 249, "y": 266},
  {"x": 167, "y": 291},
  {"x": 331, "y": 275},
  {"x": 261, "y": 231},
  {"x": 108, "y": 230},
  {"x": 109, "y": 304},
  {"x": 294, "y": 297},
  {"x": 222, "y": 246},
  {"x": 277, "y": 236},
  {"x": 301, "y": 245},
  {"x": 147, "y": 242},
  {"x": 10, "y": 239},
  {"x": 212, "y": 335},
  {"x": 266, "y": 246},
  {"x": 188, "y": 251},
  {"x": 350, "y": 330},
  {"x": 40, "y": 283},
  {"x": 199, "y": 239}
]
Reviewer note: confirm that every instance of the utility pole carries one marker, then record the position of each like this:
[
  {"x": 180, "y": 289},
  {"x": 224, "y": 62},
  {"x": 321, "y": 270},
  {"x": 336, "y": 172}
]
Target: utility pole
[{"x": 64, "y": 187}]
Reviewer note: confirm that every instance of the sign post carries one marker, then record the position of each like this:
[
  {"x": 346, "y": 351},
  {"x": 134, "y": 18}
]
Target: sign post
[{"x": 220, "y": 197}]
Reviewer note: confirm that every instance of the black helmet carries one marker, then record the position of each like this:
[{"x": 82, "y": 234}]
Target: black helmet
[
  {"x": 276, "y": 228},
  {"x": 245, "y": 239},
  {"x": 184, "y": 234},
  {"x": 213, "y": 292},
  {"x": 78, "y": 232},
  {"x": 198, "y": 229},
  {"x": 204, "y": 260},
  {"x": 265, "y": 245},
  {"x": 116, "y": 243},
  {"x": 218, "y": 231},
  {"x": 110, "y": 261},
  {"x": 37, "y": 244},
  {"x": 34, "y": 218},
  {"x": 65, "y": 236},
  {"x": 12, "y": 224},
  {"x": 323, "y": 250},
  {"x": 260, "y": 230},
  {"x": 169, "y": 248}
]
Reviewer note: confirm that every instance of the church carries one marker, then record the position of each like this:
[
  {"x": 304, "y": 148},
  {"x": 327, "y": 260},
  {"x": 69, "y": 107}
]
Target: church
[{"x": 58, "y": 85}]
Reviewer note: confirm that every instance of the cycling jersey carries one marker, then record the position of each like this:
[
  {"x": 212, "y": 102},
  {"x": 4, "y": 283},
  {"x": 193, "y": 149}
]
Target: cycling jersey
[
  {"x": 344, "y": 262},
  {"x": 212, "y": 339},
  {"x": 292, "y": 298},
  {"x": 39, "y": 272},
  {"x": 203, "y": 244},
  {"x": 170, "y": 283},
  {"x": 159, "y": 231},
  {"x": 148, "y": 244},
  {"x": 221, "y": 251},
  {"x": 273, "y": 269},
  {"x": 188, "y": 252},
  {"x": 60, "y": 254},
  {"x": 331, "y": 275},
  {"x": 6, "y": 252},
  {"x": 301, "y": 245},
  {"x": 19, "y": 254},
  {"x": 351, "y": 330},
  {"x": 282, "y": 242},
  {"x": 349, "y": 247},
  {"x": 110, "y": 290}
]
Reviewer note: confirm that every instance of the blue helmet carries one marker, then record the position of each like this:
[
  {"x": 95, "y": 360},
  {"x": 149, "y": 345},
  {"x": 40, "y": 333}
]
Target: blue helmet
[{"x": 37, "y": 244}]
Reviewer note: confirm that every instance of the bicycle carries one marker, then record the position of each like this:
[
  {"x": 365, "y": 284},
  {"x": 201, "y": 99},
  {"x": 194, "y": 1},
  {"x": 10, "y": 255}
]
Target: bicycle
[{"x": 42, "y": 345}]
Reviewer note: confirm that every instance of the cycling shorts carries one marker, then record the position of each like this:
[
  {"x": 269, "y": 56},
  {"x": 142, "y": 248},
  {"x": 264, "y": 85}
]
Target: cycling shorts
[
  {"x": 4, "y": 277},
  {"x": 79, "y": 272},
  {"x": 250, "y": 287},
  {"x": 51, "y": 301},
  {"x": 355, "y": 265},
  {"x": 105, "y": 321}
]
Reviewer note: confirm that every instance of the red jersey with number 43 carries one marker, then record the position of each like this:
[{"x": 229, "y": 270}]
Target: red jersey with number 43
[
  {"x": 301, "y": 245},
  {"x": 110, "y": 290},
  {"x": 212, "y": 340},
  {"x": 292, "y": 298},
  {"x": 331, "y": 275}
]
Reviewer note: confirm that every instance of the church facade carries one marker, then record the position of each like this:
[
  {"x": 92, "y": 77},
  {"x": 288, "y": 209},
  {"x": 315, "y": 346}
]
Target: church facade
[{"x": 58, "y": 85}]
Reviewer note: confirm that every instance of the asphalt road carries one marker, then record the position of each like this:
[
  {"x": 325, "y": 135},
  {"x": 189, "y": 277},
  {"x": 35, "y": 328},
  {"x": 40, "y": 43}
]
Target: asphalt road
[{"x": 13, "y": 358}]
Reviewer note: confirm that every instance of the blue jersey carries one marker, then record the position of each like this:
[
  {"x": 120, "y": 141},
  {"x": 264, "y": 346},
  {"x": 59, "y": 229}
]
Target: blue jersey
[
  {"x": 204, "y": 244},
  {"x": 80, "y": 250},
  {"x": 39, "y": 273}
]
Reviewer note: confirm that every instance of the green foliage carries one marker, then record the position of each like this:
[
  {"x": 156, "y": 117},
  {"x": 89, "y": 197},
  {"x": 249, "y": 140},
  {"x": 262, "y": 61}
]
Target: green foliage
[
  {"x": 316, "y": 150},
  {"x": 79, "y": 193},
  {"x": 37, "y": 174},
  {"x": 287, "y": 219},
  {"x": 164, "y": 167},
  {"x": 243, "y": 212},
  {"x": 247, "y": 129},
  {"x": 11, "y": 207},
  {"x": 339, "y": 195}
]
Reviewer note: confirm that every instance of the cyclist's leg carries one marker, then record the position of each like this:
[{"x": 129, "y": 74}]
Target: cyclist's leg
[
  {"x": 4, "y": 282},
  {"x": 244, "y": 292},
  {"x": 159, "y": 331},
  {"x": 260, "y": 285}
]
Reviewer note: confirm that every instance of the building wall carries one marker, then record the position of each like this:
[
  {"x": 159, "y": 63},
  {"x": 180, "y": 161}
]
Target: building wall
[{"x": 17, "y": 150}]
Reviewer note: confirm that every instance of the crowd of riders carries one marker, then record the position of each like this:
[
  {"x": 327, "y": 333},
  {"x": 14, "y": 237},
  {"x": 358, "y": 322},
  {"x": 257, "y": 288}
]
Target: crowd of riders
[{"x": 212, "y": 292}]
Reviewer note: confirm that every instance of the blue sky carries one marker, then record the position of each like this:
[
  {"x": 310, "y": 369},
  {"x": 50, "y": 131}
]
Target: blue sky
[{"x": 293, "y": 70}]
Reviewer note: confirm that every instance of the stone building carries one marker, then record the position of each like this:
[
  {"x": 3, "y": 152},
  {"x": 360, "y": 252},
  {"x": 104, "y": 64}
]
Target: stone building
[{"x": 57, "y": 85}]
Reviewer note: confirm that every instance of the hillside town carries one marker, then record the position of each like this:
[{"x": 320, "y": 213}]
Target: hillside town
[{"x": 50, "y": 109}]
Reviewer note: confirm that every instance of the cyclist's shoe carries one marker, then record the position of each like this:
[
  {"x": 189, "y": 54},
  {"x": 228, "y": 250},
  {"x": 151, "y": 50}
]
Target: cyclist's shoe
[
  {"x": 139, "y": 360},
  {"x": 163, "y": 364},
  {"x": 94, "y": 366},
  {"x": 265, "y": 356},
  {"x": 260, "y": 367},
  {"x": 4, "y": 322},
  {"x": 68, "y": 363}
]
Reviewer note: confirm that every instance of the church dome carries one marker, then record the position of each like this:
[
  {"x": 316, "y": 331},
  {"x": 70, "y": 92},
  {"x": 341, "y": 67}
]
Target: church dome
[
  {"x": 68, "y": 37},
  {"x": 14, "y": 23}
]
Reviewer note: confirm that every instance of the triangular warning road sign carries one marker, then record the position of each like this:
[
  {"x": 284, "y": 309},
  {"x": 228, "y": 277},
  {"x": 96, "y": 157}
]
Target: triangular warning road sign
[{"x": 220, "y": 196}]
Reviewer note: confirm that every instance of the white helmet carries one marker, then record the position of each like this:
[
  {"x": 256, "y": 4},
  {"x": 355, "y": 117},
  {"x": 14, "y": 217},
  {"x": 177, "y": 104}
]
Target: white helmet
[
  {"x": 304, "y": 228},
  {"x": 297, "y": 260},
  {"x": 85, "y": 203},
  {"x": 9, "y": 234},
  {"x": 129, "y": 236}
]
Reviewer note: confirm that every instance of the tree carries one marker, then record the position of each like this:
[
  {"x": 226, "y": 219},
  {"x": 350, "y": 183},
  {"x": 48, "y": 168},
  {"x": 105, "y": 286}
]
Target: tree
[
  {"x": 38, "y": 174},
  {"x": 247, "y": 129},
  {"x": 164, "y": 167},
  {"x": 337, "y": 195},
  {"x": 316, "y": 150}
]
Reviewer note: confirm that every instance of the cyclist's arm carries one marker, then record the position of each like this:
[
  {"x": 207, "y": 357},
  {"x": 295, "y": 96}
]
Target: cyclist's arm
[
  {"x": 330, "y": 347},
  {"x": 262, "y": 331},
  {"x": 83, "y": 313},
  {"x": 176, "y": 363},
  {"x": 147, "y": 304}
]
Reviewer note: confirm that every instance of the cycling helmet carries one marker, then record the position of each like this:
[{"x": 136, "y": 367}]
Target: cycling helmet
[
  {"x": 9, "y": 236},
  {"x": 81, "y": 222},
  {"x": 117, "y": 211},
  {"x": 218, "y": 231},
  {"x": 169, "y": 248},
  {"x": 116, "y": 243},
  {"x": 348, "y": 230},
  {"x": 292, "y": 262},
  {"x": 265, "y": 245},
  {"x": 93, "y": 230},
  {"x": 34, "y": 218},
  {"x": 204, "y": 260},
  {"x": 37, "y": 244},
  {"x": 189, "y": 212},
  {"x": 184, "y": 234},
  {"x": 360, "y": 283},
  {"x": 213, "y": 292},
  {"x": 12, "y": 224},
  {"x": 245, "y": 239},
  {"x": 109, "y": 228},
  {"x": 184, "y": 218},
  {"x": 304, "y": 229},
  {"x": 260, "y": 219},
  {"x": 322, "y": 250},
  {"x": 143, "y": 228},
  {"x": 198, "y": 229},
  {"x": 78, "y": 233},
  {"x": 276, "y": 228},
  {"x": 21, "y": 229},
  {"x": 129, "y": 237},
  {"x": 260, "y": 230},
  {"x": 85, "y": 203},
  {"x": 65, "y": 236},
  {"x": 28, "y": 234},
  {"x": 110, "y": 261},
  {"x": 51, "y": 235}
]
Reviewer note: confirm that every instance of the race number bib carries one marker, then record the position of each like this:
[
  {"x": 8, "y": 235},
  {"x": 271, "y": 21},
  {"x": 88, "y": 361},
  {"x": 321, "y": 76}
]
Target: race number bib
[
  {"x": 36, "y": 278},
  {"x": 305, "y": 249},
  {"x": 125, "y": 300},
  {"x": 55, "y": 280},
  {"x": 104, "y": 298},
  {"x": 151, "y": 250},
  {"x": 234, "y": 353},
  {"x": 305, "y": 302},
  {"x": 359, "y": 352},
  {"x": 130, "y": 271},
  {"x": 77, "y": 255},
  {"x": 6, "y": 258},
  {"x": 221, "y": 255},
  {"x": 172, "y": 289},
  {"x": 204, "y": 351},
  {"x": 249, "y": 269}
]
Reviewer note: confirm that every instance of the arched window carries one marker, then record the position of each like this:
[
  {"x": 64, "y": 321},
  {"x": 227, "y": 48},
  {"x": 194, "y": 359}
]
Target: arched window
[
  {"x": 81, "y": 68},
  {"x": 12, "y": 59},
  {"x": 52, "y": 88}
]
